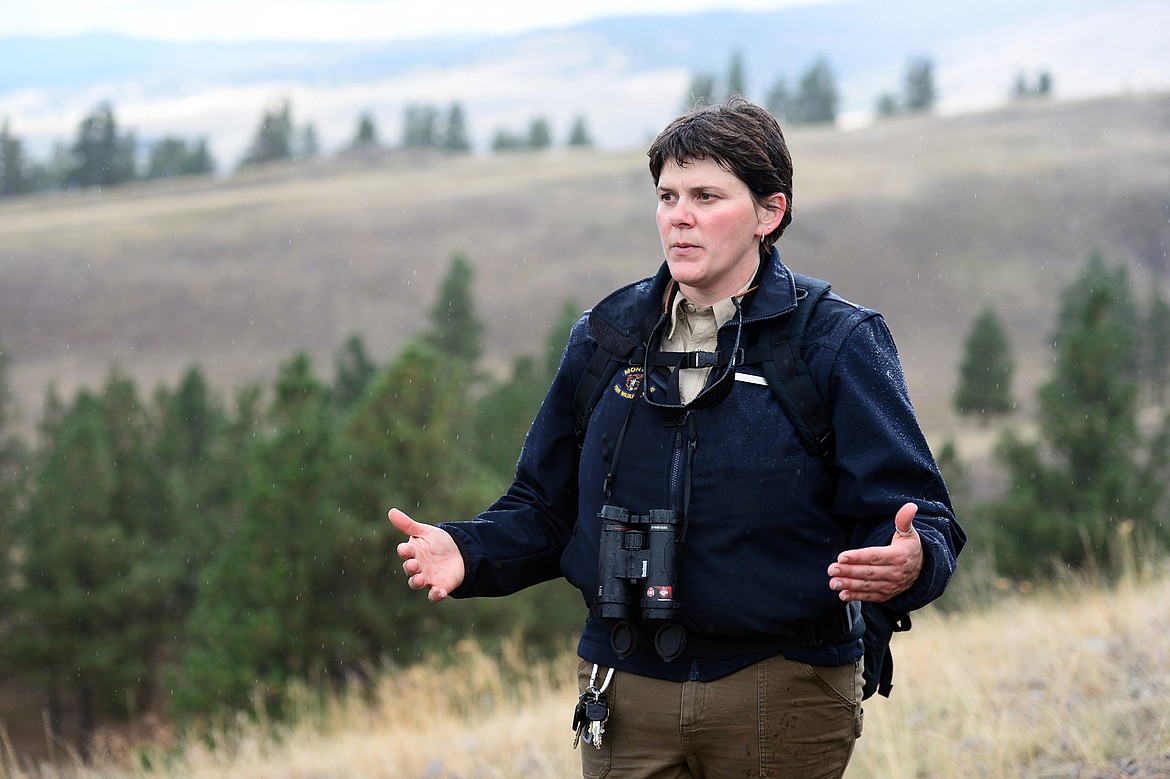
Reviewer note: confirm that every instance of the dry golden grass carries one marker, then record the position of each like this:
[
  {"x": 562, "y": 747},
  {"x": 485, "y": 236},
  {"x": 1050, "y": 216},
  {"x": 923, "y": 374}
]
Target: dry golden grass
[
  {"x": 1042, "y": 686},
  {"x": 1070, "y": 681}
]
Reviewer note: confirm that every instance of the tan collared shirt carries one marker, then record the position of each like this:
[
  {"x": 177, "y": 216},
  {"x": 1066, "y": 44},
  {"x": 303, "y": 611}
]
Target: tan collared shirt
[{"x": 694, "y": 329}]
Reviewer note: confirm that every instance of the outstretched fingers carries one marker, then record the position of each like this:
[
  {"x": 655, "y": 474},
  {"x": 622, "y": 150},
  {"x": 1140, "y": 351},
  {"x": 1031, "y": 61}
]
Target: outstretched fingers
[{"x": 431, "y": 560}]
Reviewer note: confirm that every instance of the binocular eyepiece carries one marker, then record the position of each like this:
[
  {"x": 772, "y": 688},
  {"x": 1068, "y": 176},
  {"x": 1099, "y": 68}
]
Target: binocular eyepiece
[{"x": 636, "y": 578}]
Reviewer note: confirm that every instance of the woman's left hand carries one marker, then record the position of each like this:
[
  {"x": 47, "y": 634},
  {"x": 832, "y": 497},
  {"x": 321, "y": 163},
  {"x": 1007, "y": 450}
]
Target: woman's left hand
[{"x": 878, "y": 573}]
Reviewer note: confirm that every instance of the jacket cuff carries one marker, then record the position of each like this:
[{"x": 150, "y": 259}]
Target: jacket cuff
[
  {"x": 932, "y": 579},
  {"x": 470, "y": 561}
]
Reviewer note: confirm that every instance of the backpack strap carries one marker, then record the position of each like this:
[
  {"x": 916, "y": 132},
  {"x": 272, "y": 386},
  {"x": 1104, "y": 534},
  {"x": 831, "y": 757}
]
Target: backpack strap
[
  {"x": 601, "y": 367},
  {"x": 788, "y": 375},
  {"x": 878, "y": 669}
]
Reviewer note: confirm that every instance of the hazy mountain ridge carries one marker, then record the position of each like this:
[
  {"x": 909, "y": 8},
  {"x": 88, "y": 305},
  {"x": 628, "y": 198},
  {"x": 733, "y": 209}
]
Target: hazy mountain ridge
[
  {"x": 627, "y": 75},
  {"x": 857, "y": 37}
]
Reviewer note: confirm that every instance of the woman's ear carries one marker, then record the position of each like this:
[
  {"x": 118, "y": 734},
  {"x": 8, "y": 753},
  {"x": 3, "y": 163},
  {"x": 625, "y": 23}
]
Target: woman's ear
[{"x": 772, "y": 212}]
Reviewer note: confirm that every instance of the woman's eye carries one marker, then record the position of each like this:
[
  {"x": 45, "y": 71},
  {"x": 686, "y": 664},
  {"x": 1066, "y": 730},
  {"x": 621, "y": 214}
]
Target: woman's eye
[{"x": 666, "y": 197}]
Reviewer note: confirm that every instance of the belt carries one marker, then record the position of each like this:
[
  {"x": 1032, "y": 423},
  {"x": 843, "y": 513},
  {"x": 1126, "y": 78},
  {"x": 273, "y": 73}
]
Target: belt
[{"x": 836, "y": 627}]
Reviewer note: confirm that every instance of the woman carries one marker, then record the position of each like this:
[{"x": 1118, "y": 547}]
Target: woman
[{"x": 718, "y": 556}]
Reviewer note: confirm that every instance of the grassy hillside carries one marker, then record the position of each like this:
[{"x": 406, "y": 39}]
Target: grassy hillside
[{"x": 926, "y": 219}]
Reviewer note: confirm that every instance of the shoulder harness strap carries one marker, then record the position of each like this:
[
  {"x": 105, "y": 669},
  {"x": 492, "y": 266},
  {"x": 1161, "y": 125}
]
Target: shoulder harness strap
[
  {"x": 788, "y": 375},
  {"x": 601, "y": 368}
]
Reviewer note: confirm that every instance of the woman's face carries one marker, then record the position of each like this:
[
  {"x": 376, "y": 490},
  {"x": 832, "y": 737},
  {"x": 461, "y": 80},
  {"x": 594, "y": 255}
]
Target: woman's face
[{"x": 710, "y": 227}]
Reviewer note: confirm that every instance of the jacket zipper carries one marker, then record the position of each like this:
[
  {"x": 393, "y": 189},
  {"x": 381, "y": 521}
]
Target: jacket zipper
[{"x": 682, "y": 457}]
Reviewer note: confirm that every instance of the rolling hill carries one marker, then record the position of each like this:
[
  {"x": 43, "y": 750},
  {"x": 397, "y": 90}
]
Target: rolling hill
[{"x": 927, "y": 219}]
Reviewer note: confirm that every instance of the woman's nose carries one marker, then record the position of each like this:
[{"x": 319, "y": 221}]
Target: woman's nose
[{"x": 681, "y": 214}]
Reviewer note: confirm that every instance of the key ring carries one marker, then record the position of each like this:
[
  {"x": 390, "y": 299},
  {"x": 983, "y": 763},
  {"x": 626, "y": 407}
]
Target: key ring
[{"x": 593, "y": 680}]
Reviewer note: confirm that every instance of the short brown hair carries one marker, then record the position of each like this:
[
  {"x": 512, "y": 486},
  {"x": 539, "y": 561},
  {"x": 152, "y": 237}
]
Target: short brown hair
[{"x": 742, "y": 137}]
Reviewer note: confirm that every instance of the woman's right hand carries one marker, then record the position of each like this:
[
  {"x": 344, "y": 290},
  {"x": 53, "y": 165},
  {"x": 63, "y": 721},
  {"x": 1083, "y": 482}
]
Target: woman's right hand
[{"x": 431, "y": 559}]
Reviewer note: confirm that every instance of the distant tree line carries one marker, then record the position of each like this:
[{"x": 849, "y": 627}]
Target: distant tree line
[
  {"x": 918, "y": 94},
  {"x": 104, "y": 155},
  {"x": 101, "y": 155},
  {"x": 1023, "y": 88},
  {"x": 814, "y": 98}
]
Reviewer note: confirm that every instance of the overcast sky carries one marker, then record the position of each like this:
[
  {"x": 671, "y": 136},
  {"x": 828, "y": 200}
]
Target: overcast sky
[{"x": 231, "y": 20}]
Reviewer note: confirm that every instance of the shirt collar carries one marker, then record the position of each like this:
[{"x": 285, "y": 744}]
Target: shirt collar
[{"x": 724, "y": 310}]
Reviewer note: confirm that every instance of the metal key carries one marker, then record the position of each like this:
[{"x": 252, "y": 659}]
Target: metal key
[
  {"x": 579, "y": 720},
  {"x": 596, "y": 713}
]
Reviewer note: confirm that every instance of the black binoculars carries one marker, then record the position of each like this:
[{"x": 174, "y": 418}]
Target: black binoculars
[{"x": 636, "y": 578}]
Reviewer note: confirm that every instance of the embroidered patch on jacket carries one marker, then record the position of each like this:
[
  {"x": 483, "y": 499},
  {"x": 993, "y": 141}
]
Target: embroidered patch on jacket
[{"x": 629, "y": 382}]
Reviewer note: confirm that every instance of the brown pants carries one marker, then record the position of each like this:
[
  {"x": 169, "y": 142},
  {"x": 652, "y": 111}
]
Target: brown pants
[{"x": 777, "y": 718}]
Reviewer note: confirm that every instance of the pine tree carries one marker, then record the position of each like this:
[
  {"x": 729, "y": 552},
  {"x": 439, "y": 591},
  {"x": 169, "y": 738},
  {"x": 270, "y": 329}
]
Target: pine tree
[
  {"x": 503, "y": 415},
  {"x": 353, "y": 372},
  {"x": 985, "y": 373},
  {"x": 308, "y": 146},
  {"x": 266, "y": 611},
  {"x": 407, "y": 443},
  {"x": 1020, "y": 88},
  {"x": 166, "y": 158},
  {"x": 14, "y": 168},
  {"x": 506, "y": 140},
  {"x": 199, "y": 159},
  {"x": 96, "y": 569},
  {"x": 1093, "y": 466},
  {"x": 150, "y": 592},
  {"x": 71, "y": 554},
  {"x": 101, "y": 156},
  {"x": 9, "y": 443},
  {"x": 202, "y": 470},
  {"x": 579, "y": 134},
  {"x": 12, "y": 466},
  {"x": 1023, "y": 90},
  {"x": 407, "y": 440},
  {"x": 736, "y": 78},
  {"x": 456, "y": 330},
  {"x": 1156, "y": 345},
  {"x": 455, "y": 138},
  {"x": 420, "y": 127},
  {"x": 366, "y": 135},
  {"x": 1087, "y": 408},
  {"x": 919, "y": 91},
  {"x": 778, "y": 100},
  {"x": 274, "y": 137},
  {"x": 178, "y": 157},
  {"x": 1044, "y": 84},
  {"x": 539, "y": 134},
  {"x": 816, "y": 100}
]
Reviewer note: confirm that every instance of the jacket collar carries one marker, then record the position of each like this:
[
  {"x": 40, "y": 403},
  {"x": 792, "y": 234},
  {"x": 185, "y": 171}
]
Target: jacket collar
[{"x": 623, "y": 320}]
